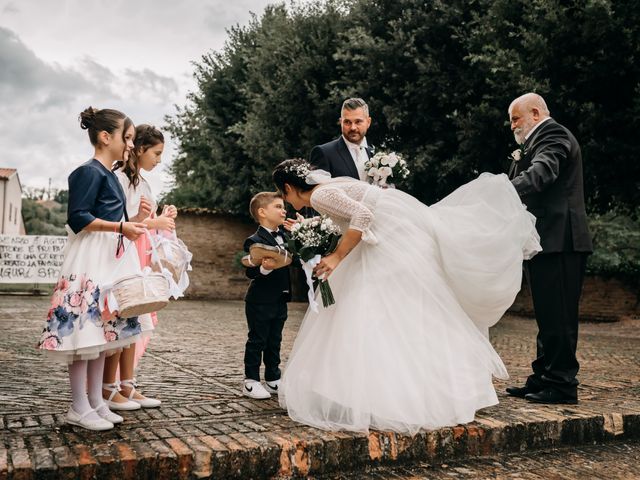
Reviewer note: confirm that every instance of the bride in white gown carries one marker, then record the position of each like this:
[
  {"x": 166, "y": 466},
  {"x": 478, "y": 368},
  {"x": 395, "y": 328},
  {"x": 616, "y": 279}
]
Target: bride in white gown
[{"x": 405, "y": 347}]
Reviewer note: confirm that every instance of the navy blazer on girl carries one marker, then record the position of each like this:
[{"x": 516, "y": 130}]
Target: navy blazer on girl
[{"x": 94, "y": 192}]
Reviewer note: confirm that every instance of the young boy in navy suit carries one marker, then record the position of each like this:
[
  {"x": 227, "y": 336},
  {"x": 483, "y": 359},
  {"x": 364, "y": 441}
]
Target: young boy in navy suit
[{"x": 266, "y": 299}]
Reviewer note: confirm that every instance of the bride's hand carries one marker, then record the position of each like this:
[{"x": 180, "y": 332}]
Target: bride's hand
[
  {"x": 289, "y": 223},
  {"x": 326, "y": 266}
]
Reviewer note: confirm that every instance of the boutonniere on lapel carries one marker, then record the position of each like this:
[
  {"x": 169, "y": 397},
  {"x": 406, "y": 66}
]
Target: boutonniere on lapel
[{"x": 517, "y": 154}]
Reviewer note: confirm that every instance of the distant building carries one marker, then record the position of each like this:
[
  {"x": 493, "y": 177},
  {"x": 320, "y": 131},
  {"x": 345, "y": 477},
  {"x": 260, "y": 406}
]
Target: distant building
[{"x": 10, "y": 203}]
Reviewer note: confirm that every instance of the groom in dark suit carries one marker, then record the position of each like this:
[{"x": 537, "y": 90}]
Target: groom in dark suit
[
  {"x": 347, "y": 155},
  {"x": 547, "y": 174}
]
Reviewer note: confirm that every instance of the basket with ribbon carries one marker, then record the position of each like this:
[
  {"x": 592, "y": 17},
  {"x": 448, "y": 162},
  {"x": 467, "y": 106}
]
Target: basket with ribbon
[
  {"x": 139, "y": 293},
  {"x": 170, "y": 253}
]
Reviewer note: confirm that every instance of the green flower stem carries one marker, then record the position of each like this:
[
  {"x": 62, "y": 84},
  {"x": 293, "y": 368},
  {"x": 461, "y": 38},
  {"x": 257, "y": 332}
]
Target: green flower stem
[{"x": 326, "y": 294}]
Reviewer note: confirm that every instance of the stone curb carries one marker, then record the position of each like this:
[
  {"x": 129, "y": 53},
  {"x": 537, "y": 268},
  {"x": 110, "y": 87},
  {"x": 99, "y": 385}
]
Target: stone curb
[{"x": 304, "y": 451}]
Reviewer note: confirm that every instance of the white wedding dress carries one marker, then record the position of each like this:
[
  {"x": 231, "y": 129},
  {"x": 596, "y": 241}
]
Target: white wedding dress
[{"x": 405, "y": 347}]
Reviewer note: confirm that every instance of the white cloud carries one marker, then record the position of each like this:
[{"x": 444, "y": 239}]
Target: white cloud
[
  {"x": 60, "y": 57},
  {"x": 40, "y": 103}
]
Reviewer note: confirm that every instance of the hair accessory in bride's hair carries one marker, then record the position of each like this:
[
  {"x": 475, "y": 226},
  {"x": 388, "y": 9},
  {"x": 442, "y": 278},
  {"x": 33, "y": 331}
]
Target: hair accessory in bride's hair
[
  {"x": 309, "y": 175},
  {"x": 298, "y": 169}
]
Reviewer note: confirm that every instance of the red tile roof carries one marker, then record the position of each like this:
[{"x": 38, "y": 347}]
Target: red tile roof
[{"x": 5, "y": 173}]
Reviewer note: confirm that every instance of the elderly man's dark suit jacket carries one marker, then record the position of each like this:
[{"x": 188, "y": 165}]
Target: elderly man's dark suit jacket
[
  {"x": 549, "y": 180},
  {"x": 334, "y": 157}
]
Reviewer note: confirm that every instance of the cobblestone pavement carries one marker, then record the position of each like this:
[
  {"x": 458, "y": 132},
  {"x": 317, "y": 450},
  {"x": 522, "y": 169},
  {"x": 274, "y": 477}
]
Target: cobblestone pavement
[
  {"x": 205, "y": 428},
  {"x": 606, "y": 462}
]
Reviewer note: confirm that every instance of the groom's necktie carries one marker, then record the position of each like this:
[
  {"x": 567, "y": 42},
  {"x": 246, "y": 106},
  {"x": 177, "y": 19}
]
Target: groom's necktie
[{"x": 361, "y": 159}]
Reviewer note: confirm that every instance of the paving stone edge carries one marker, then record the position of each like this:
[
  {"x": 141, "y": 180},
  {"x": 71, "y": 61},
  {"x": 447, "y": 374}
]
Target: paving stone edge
[{"x": 302, "y": 452}]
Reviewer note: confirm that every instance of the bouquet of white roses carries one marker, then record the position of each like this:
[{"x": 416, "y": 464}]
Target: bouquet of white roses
[
  {"x": 384, "y": 165},
  {"x": 311, "y": 239}
]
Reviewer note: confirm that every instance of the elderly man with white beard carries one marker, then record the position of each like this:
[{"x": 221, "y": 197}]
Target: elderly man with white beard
[{"x": 547, "y": 174}]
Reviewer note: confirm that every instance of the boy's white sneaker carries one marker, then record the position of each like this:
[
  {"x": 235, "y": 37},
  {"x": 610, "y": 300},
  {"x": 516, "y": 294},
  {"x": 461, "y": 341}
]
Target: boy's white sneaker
[
  {"x": 272, "y": 387},
  {"x": 254, "y": 389}
]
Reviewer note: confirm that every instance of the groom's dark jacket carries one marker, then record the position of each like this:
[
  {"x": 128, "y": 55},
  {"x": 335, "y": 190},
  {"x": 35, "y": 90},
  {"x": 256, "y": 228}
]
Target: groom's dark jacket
[
  {"x": 334, "y": 157},
  {"x": 274, "y": 287},
  {"x": 549, "y": 180}
]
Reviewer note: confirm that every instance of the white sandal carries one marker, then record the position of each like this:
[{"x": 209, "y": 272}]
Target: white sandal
[
  {"x": 81, "y": 420},
  {"x": 114, "y": 388},
  {"x": 144, "y": 402}
]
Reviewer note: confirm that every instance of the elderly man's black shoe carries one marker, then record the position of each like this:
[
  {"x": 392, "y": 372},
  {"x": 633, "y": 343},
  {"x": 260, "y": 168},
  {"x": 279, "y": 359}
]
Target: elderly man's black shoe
[
  {"x": 550, "y": 396},
  {"x": 519, "y": 392}
]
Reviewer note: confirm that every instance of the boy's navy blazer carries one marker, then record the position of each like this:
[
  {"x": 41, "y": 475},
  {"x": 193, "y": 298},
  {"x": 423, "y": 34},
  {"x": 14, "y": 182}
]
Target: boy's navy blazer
[{"x": 273, "y": 287}]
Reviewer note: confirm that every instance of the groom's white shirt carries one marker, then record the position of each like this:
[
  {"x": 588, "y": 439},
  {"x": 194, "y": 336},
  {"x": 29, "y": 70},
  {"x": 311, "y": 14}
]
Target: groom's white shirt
[
  {"x": 359, "y": 156},
  {"x": 535, "y": 127}
]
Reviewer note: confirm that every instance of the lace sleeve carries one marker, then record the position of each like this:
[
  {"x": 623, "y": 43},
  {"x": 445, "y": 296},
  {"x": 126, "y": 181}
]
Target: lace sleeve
[{"x": 338, "y": 205}]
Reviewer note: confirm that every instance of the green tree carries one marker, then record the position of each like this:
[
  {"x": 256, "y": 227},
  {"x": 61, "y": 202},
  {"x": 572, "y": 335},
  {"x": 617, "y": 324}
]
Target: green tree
[
  {"x": 257, "y": 103},
  {"x": 39, "y": 220},
  {"x": 438, "y": 76}
]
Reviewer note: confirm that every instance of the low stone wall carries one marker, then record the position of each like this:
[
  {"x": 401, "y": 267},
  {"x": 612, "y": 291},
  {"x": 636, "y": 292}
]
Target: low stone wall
[
  {"x": 214, "y": 239},
  {"x": 603, "y": 299}
]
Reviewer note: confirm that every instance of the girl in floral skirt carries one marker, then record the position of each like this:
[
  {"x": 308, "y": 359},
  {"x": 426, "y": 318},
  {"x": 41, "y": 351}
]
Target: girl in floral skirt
[
  {"x": 146, "y": 154},
  {"x": 98, "y": 252}
]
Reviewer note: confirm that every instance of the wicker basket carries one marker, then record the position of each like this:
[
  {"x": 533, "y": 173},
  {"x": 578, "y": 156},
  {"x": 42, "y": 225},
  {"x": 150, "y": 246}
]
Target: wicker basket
[
  {"x": 173, "y": 256},
  {"x": 139, "y": 294}
]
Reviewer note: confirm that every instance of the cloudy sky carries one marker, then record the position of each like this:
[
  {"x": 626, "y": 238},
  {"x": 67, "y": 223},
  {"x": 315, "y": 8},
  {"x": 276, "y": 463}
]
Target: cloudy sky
[{"x": 57, "y": 57}]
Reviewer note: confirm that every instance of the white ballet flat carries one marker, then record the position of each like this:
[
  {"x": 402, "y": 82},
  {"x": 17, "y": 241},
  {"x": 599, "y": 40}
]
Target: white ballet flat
[
  {"x": 98, "y": 425},
  {"x": 104, "y": 412},
  {"x": 126, "y": 406},
  {"x": 144, "y": 402}
]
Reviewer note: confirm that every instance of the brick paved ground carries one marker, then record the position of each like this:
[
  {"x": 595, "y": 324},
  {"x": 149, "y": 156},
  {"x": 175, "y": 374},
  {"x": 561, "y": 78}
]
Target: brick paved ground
[{"x": 205, "y": 428}]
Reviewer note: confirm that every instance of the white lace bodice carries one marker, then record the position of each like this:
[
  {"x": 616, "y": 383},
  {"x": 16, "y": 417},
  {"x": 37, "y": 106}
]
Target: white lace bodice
[{"x": 350, "y": 203}]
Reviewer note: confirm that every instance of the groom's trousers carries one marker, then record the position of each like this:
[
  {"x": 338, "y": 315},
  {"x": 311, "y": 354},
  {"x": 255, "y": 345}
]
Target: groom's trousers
[{"x": 555, "y": 280}]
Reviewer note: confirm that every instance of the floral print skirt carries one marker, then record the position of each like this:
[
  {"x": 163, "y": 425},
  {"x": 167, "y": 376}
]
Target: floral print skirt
[{"x": 78, "y": 327}]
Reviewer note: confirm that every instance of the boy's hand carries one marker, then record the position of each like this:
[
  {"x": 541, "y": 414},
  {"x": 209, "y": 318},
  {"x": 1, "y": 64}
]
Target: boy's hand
[{"x": 268, "y": 263}]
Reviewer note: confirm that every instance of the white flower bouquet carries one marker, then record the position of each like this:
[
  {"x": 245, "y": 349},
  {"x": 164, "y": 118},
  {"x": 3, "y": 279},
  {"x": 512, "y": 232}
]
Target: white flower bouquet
[
  {"x": 311, "y": 239},
  {"x": 384, "y": 165}
]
